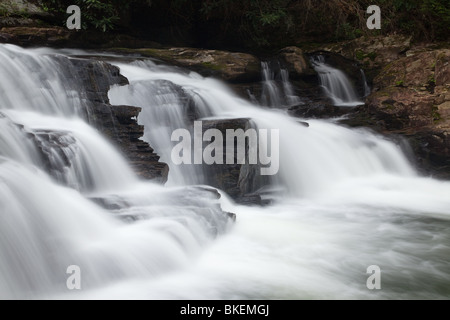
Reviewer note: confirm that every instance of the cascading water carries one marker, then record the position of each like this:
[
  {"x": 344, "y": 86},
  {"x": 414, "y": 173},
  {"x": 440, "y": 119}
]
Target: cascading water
[
  {"x": 352, "y": 200},
  {"x": 277, "y": 92},
  {"x": 367, "y": 90},
  {"x": 45, "y": 228},
  {"x": 336, "y": 84},
  {"x": 305, "y": 164}
]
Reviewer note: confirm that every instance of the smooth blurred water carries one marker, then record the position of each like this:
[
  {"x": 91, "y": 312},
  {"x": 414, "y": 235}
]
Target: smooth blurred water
[
  {"x": 349, "y": 199},
  {"x": 54, "y": 167},
  {"x": 337, "y": 85},
  {"x": 277, "y": 90}
]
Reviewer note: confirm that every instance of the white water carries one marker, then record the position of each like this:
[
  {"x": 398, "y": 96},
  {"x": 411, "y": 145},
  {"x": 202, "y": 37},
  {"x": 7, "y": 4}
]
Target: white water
[
  {"x": 277, "y": 93},
  {"x": 336, "y": 84},
  {"x": 45, "y": 228},
  {"x": 367, "y": 89},
  {"x": 352, "y": 200},
  {"x": 316, "y": 159}
]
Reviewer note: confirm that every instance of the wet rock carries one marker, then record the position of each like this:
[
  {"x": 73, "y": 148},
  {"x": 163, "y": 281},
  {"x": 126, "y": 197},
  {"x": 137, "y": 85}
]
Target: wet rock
[
  {"x": 296, "y": 63},
  {"x": 253, "y": 200},
  {"x": 412, "y": 97},
  {"x": 35, "y": 36},
  {"x": 57, "y": 151},
  {"x": 118, "y": 123},
  {"x": 319, "y": 109},
  {"x": 229, "y": 66},
  {"x": 191, "y": 201},
  {"x": 401, "y": 108},
  {"x": 239, "y": 181},
  {"x": 303, "y": 123},
  {"x": 111, "y": 203},
  {"x": 372, "y": 52},
  {"x": 21, "y": 13},
  {"x": 6, "y": 38}
]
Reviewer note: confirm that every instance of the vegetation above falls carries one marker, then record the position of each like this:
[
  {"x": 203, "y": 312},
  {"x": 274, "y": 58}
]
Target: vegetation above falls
[{"x": 261, "y": 23}]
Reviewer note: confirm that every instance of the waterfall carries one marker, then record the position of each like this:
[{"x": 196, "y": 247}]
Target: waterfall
[
  {"x": 166, "y": 107},
  {"x": 336, "y": 84},
  {"x": 34, "y": 97},
  {"x": 51, "y": 164},
  {"x": 367, "y": 89},
  {"x": 277, "y": 90},
  {"x": 319, "y": 157},
  {"x": 291, "y": 98},
  {"x": 41, "y": 87},
  {"x": 347, "y": 199}
]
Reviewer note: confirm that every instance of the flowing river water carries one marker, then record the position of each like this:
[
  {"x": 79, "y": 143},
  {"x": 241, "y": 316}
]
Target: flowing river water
[{"x": 347, "y": 199}]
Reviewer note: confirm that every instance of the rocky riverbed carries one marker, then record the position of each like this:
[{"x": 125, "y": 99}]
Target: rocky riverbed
[{"x": 410, "y": 83}]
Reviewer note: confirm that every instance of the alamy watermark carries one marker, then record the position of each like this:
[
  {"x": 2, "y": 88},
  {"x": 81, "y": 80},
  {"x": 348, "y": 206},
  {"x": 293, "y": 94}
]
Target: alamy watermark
[
  {"x": 374, "y": 280},
  {"x": 74, "y": 280},
  {"x": 252, "y": 145},
  {"x": 74, "y": 21},
  {"x": 374, "y": 21}
]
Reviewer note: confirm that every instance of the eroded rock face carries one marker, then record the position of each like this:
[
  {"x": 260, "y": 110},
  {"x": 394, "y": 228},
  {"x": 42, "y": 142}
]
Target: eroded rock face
[
  {"x": 118, "y": 123},
  {"x": 229, "y": 66},
  {"x": 412, "y": 96}
]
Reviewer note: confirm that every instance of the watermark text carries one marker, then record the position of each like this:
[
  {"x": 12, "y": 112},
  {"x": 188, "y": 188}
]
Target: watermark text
[{"x": 258, "y": 147}]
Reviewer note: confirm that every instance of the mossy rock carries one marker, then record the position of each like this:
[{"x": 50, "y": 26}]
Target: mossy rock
[{"x": 234, "y": 67}]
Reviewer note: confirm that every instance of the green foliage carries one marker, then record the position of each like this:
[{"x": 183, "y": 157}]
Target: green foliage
[
  {"x": 346, "y": 31},
  {"x": 269, "y": 22},
  {"x": 98, "y": 14},
  {"x": 254, "y": 19},
  {"x": 435, "y": 114},
  {"x": 3, "y": 11},
  {"x": 360, "y": 55},
  {"x": 264, "y": 13},
  {"x": 266, "y": 21},
  {"x": 424, "y": 19},
  {"x": 372, "y": 55},
  {"x": 432, "y": 80}
]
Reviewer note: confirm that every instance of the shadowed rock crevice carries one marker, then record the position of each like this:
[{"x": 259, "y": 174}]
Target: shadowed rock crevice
[
  {"x": 118, "y": 123},
  {"x": 243, "y": 182}
]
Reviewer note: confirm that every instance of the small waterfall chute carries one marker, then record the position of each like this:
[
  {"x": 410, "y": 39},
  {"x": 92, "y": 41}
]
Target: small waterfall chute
[
  {"x": 277, "y": 89},
  {"x": 367, "y": 89},
  {"x": 336, "y": 84}
]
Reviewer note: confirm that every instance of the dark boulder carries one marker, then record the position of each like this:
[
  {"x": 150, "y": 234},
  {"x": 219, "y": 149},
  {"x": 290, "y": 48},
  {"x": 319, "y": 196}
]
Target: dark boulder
[
  {"x": 118, "y": 123},
  {"x": 297, "y": 63},
  {"x": 241, "y": 181}
]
